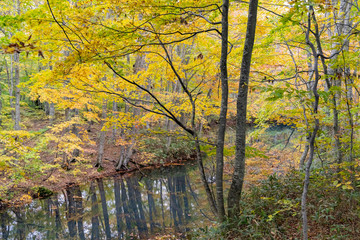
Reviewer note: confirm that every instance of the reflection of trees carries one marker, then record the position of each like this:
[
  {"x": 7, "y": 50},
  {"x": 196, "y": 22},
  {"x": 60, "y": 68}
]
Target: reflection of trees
[
  {"x": 124, "y": 199},
  {"x": 71, "y": 213},
  {"x": 162, "y": 203},
  {"x": 20, "y": 224},
  {"x": 179, "y": 202},
  {"x": 151, "y": 203},
  {"x": 140, "y": 208},
  {"x": 79, "y": 211},
  {"x": 135, "y": 205},
  {"x": 53, "y": 220},
  {"x": 5, "y": 228},
  {"x": 118, "y": 204},
  {"x": 174, "y": 203},
  {"x": 75, "y": 212},
  {"x": 95, "y": 233},
  {"x": 104, "y": 208},
  {"x": 58, "y": 225}
]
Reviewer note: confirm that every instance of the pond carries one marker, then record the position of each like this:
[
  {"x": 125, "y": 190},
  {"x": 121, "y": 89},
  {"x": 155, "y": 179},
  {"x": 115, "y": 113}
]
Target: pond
[{"x": 166, "y": 202}]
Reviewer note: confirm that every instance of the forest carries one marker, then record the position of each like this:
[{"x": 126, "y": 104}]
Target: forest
[{"x": 195, "y": 119}]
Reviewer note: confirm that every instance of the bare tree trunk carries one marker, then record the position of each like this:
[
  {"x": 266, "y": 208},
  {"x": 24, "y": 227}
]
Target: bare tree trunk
[
  {"x": 303, "y": 157},
  {"x": 350, "y": 131},
  {"x": 17, "y": 91},
  {"x": 240, "y": 141},
  {"x": 125, "y": 156},
  {"x": 11, "y": 87},
  {"x": 102, "y": 136},
  {"x": 67, "y": 114},
  {"x": 1, "y": 102},
  {"x": 17, "y": 78},
  {"x": 316, "y": 124},
  {"x": 115, "y": 115},
  {"x": 52, "y": 112},
  {"x": 223, "y": 112}
]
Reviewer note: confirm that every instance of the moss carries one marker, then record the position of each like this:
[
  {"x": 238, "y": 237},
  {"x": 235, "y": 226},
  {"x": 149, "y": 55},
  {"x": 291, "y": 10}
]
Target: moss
[{"x": 43, "y": 192}]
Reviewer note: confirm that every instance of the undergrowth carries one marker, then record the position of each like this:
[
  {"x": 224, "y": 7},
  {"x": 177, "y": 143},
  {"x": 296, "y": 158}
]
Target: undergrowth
[
  {"x": 272, "y": 210},
  {"x": 162, "y": 149}
]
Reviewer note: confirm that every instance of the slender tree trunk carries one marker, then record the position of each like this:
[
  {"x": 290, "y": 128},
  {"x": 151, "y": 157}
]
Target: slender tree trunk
[
  {"x": 349, "y": 102},
  {"x": 11, "y": 87},
  {"x": 316, "y": 124},
  {"x": 115, "y": 115},
  {"x": 240, "y": 141},
  {"x": 1, "y": 105},
  {"x": 67, "y": 114},
  {"x": 52, "y": 112},
  {"x": 223, "y": 112},
  {"x": 17, "y": 91},
  {"x": 102, "y": 137},
  {"x": 303, "y": 157}
]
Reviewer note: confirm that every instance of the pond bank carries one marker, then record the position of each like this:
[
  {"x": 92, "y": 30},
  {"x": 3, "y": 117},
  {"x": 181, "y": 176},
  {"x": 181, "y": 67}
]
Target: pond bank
[{"x": 58, "y": 179}]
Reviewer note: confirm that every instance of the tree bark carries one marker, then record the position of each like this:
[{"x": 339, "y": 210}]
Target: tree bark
[
  {"x": 115, "y": 115},
  {"x": 102, "y": 136},
  {"x": 52, "y": 112},
  {"x": 223, "y": 112},
  {"x": 17, "y": 91},
  {"x": 11, "y": 87},
  {"x": 240, "y": 141},
  {"x": 316, "y": 121}
]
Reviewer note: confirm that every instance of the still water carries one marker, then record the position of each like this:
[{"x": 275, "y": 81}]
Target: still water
[{"x": 166, "y": 202}]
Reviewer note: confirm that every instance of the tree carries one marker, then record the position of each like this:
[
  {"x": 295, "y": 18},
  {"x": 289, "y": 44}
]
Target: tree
[
  {"x": 240, "y": 142},
  {"x": 223, "y": 111}
]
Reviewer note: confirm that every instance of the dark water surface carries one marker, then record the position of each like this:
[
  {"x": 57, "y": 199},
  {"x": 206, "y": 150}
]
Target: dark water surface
[{"x": 164, "y": 202}]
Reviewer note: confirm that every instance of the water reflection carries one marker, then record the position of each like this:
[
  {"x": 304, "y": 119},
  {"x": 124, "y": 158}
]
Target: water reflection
[{"x": 137, "y": 207}]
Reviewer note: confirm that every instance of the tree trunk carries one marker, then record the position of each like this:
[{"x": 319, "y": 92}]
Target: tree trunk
[
  {"x": 102, "y": 137},
  {"x": 1, "y": 103},
  {"x": 240, "y": 141},
  {"x": 116, "y": 116},
  {"x": 303, "y": 157},
  {"x": 17, "y": 91},
  {"x": 52, "y": 112},
  {"x": 223, "y": 112},
  {"x": 125, "y": 156},
  {"x": 316, "y": 124},
  {"x": 11, "y": 87}
]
